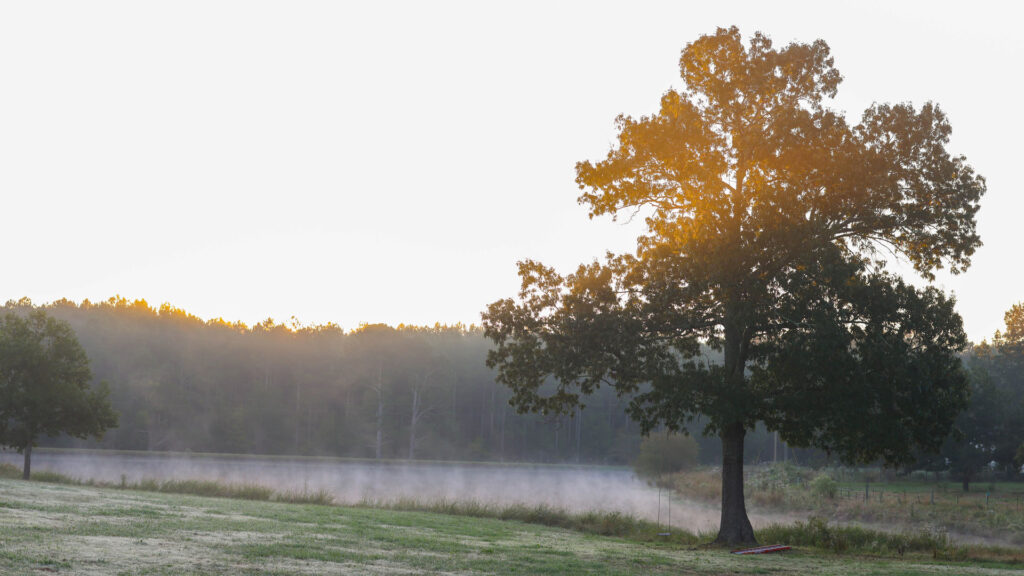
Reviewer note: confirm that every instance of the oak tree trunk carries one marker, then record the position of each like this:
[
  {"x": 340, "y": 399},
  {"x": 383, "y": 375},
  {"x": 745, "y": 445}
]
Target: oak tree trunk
[{"x": 735, "y": 527}]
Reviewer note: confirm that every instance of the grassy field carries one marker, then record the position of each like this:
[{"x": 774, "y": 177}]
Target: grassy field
[{"x": 69, "y": 529}]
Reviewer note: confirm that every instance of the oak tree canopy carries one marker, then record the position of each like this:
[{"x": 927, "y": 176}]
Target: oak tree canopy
[{"x": 769, "y": 223}]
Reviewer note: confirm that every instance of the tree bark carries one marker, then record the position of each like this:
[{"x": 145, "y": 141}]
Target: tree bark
[
  {"x": 413, "y": 421},
  {"x": 26, "y": 471},
  {"x": 380, "y": 410},
  {"x": 735, "y": 527},
  {"x": 579, "y": 431},
  {"x": 501, "y": 445}
]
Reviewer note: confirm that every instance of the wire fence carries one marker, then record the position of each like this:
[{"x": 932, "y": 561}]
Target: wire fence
[
  {"x": 987, "y": 499},
  {"x": 1000, "y": 496}
]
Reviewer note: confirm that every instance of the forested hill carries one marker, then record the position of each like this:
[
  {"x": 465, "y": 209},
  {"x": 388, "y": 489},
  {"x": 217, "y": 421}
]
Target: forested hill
[{"x": 181, "y": 383}]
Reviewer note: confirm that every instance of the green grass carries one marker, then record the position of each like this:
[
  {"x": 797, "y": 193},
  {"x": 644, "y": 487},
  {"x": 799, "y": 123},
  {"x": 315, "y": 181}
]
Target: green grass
[{"x": 74, "y": 529}]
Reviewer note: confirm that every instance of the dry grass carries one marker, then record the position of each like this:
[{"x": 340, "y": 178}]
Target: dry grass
[{"x": 967, "y": 518}]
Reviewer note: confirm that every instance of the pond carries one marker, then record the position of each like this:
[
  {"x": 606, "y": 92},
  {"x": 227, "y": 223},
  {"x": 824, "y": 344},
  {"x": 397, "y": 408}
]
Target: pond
[{"x": 574, "y": 488}]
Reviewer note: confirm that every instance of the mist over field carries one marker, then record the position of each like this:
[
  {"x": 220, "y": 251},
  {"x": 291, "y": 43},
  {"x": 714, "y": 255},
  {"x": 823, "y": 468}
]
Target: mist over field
[{"x": 575, "y": 489}]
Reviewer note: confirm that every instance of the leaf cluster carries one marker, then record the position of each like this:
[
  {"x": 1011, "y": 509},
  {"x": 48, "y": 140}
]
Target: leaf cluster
[{"x": 45, "y": 383}]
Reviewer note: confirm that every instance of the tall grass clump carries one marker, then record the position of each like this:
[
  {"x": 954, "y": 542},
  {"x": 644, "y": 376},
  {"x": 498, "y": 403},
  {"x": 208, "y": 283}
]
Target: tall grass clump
[
  {"x": 8, "y": 470},
  {"x": 319, "y": 497},
  {"x": 54, "y": 477},
  {"x": 817, "y": 533},
  {"x": 217, "y": 489}
]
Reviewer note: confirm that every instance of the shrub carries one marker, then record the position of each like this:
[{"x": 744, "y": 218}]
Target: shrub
[
  {"x": 665, "y": 454},
  {"x": 824, "y": 486}
]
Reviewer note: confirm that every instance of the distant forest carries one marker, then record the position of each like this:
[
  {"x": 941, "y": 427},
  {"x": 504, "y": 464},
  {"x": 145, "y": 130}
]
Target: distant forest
[{"x": 180, "y": 383}]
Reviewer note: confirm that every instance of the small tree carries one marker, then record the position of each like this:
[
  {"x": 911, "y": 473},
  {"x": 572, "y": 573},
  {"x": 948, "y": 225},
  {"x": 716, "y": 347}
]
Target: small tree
[{"x": 44, "y": 385}]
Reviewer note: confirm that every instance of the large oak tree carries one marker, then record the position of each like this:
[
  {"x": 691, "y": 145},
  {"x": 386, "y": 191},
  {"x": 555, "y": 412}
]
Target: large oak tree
[{"x": 769, "y": 220}]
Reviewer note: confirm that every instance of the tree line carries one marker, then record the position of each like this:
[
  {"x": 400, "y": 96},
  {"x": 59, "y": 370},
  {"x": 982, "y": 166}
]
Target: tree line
[
  {"x": 989, "y": 434},
  {"x": 179, "y": 383}
]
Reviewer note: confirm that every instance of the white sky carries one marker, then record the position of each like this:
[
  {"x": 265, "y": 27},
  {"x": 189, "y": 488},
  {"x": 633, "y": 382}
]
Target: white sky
[{"x": 391, "y": 161}]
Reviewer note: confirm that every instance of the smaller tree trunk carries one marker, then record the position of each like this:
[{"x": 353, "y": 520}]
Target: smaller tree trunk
[
  {"x": 501, "y": 445},
  {"x": 380, "y": 410},
  {"x": 966, "y": 483},
  {"x": 579, "y": 431},
  {"x": 26, "y": 471},
  {"x": 413, "y": 421},
  {"x": 380, "y": 427}
]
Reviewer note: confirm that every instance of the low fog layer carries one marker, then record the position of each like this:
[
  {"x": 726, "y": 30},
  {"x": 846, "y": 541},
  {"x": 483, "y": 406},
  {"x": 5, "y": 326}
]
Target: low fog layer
[{"x": 576, "y": 489}]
